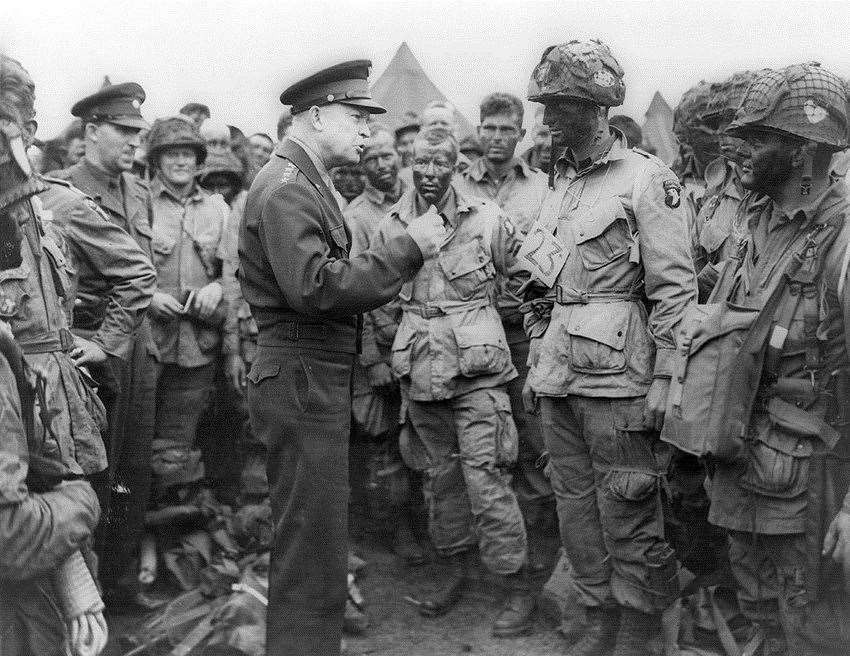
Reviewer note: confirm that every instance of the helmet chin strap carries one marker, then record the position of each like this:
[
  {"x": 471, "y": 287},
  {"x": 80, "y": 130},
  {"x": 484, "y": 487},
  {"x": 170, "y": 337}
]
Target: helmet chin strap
[{"x": 806, "y": 177}]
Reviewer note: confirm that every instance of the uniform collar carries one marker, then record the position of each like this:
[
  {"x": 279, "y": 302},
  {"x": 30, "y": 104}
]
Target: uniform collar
[
  {"x": 159, "y": 189},
  {"x": 478, "y": 169},
  {"x": 321, "y": 169},
  {"x": 616, "y": 151},
  {"x": 832, "y": 195},
  {"x": 99, "y": 175},
  {"x": 457, "y": 204},
  {"x": 379, "y": 197}
]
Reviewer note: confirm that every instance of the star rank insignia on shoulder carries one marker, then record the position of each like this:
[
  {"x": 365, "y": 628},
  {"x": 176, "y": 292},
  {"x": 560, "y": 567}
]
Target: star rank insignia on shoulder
[{"x": 289, "y": 173}]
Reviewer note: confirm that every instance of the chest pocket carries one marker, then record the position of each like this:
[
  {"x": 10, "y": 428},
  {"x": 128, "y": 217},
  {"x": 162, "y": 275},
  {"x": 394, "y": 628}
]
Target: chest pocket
[
  {"x": 603, "y": 234},
  {"x": 162, "y": 246},
  {"x": 466, "y": 268},
  {"x": 13, "y": 293}
]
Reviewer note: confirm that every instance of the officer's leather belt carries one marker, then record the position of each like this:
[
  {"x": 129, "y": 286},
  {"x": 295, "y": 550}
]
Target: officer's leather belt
[
  {"x": 293, "y": 331},
  {"x": 432, "y": 311},
  {"x": 60, "y": 340},
  {"x": 569, "y": 296}
]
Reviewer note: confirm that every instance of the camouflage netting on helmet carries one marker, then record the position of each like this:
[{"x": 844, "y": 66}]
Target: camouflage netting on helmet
[
  {"x": 584, "y": 70},
  {"x": 688, "y": 113},
  {"x": 725, "y": 98},
  {"x": 804, "y": 100},
  {"x": 225, "y": 162},
  {"x": 173, "y": 132}
]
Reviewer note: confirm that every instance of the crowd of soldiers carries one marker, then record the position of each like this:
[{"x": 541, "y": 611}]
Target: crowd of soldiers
[{"x": 650, "y": 362}]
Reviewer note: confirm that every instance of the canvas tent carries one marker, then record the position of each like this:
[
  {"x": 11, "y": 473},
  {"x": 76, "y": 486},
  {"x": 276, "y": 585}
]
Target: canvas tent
[
  {"x": 658, "y": 129},
  {"x": 405, "y": 87}
]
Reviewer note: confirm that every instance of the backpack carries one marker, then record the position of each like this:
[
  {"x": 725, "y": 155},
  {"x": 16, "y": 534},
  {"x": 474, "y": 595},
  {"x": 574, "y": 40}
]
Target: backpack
[{"x": 724, "y": 350}]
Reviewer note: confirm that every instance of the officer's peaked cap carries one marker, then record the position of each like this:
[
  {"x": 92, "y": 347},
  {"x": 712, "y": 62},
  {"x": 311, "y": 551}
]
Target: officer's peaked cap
[
  {"x": 347, "y": 83},
  {"x": 117, "y": 103}
]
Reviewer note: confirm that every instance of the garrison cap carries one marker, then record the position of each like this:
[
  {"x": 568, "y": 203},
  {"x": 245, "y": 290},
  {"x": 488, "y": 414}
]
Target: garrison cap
[
  {"x": 343, "y": 83},
  {"x": 117, "y": 103}
]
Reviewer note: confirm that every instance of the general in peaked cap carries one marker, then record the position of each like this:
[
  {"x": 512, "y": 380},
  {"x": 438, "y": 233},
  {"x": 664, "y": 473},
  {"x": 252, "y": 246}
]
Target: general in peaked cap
[
  {"x": 347, "y": 83},
  {"x": 118, "y": 103}
]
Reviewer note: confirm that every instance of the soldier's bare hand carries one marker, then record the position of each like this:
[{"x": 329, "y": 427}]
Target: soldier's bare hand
[
  {"x": 836, "y": 544},
  {"x": 165, "y": 306},
  {"x": 380, "y": 376},
  {"x": 655, "y": 404},
  {"x": 207, "y": 299},
  {"x": 234, "y": 370},
  {"x": 87, "y": 352},
  {"x": 529, "y": 399},
  {"x": 428, "y": 231}
]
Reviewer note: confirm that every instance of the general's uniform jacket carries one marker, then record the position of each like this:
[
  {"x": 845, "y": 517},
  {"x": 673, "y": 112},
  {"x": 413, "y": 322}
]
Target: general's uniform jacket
[
  {"x": 294, "y": 267},
  {"x": 450, "y": 340},
  {"x": 626, "y": 282}
]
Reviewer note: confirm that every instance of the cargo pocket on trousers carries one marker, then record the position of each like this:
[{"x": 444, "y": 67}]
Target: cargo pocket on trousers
[
  {"x": 482, "y": 349},
  {"x": 507, "y": 438},
  {"x": 635, "y": 474},
  {"x": 598, "y": 334}
]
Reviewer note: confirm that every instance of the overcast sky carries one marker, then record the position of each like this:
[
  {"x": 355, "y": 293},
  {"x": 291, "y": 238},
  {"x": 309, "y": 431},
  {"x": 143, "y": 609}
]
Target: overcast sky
[{"x": 238, "y": 55}]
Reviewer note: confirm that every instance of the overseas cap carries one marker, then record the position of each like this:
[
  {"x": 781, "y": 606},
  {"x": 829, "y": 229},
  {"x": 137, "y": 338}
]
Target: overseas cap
[
  {"x": 804, "y": 100},
  {"x": 343, "y": 83},
  {"x": 118, "y": 103},
  {"x": 584, "y": 70}
]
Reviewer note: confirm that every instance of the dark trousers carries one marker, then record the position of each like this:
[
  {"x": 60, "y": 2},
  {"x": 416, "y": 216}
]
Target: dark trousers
[
  {"x": 128, "y": 390},
  {"x": 299, "y": 401}
]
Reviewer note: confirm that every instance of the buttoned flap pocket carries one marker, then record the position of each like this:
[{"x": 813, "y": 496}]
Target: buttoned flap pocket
[
  {"x": 402, "y": 349},
  {"x": 602, "y": 234},
  {"x": 13, "y": 292},
  {"x": 260, "y": 371},
  {"x": 162, "y": 246},
  {"x": 141, "y": 225},
  {"x": 482, "y": 348},
  {"x": 340, "y": 237},
  {"x": 598, "y": 333},
  {"x": 464, "y": 260}
]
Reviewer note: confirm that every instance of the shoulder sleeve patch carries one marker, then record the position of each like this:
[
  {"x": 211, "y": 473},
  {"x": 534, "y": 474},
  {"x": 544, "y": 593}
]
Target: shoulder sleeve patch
[{"x": 672, "y": 193}]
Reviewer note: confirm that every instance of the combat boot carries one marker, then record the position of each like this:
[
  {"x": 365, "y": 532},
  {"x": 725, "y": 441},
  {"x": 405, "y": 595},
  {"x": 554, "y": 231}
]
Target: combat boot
[
  {"x": 405, "y": 545},
  {"x": 516, "y": 616},
  {"x": 636, "y": 631},
  {"x": 442, "y": 601},
  {"x": 599, "y": 634}
]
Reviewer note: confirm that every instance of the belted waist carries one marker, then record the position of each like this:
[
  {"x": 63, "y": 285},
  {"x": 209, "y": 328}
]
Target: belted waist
[
  {"x": 60, "y": 340},
  {"x": 432, "y": 311},
  {"x": 309, "y": 334},
  {"x": 570, "y": 296}
]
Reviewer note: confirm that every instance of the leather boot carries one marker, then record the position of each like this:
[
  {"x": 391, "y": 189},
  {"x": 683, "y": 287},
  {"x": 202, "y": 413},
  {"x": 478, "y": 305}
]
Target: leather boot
[
  {"x": 442, "y": 601},
  {"x": 600, "y": 632},
  {"x": 636, "y": 631},
  {"x": 516, "y": 616},
  {"x": 405, "y": 545}
]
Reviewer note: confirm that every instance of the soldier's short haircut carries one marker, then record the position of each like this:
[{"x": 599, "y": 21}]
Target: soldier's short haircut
[
  {"x": 502, "y": 103},
  {"x": 438, "y": 104},
  {"x": 437, "y": 136},
  {"x": 17, "y": 90},
  {"x": 262, "y": 135},
  {"x": 192, "y": 107}
]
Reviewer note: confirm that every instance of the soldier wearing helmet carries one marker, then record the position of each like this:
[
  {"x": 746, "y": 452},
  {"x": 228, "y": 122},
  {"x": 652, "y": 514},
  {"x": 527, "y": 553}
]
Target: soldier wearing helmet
[
  {"x": 611, "y": 240},
  {"x": 781, "y": 500},
  {"x": 719, "y": 228},
  {"x": 698, "y": 145},
  {"x": 189, "y": 309}
]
